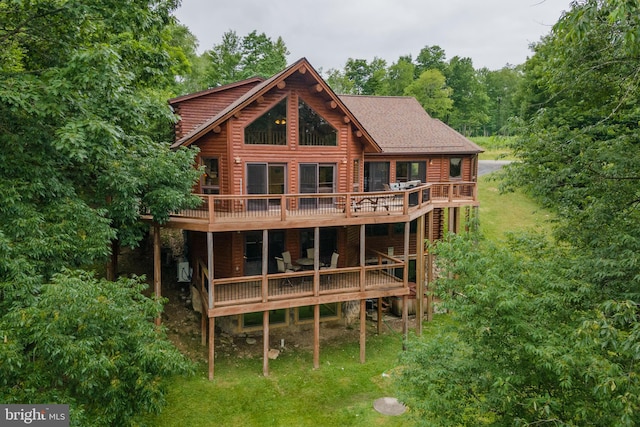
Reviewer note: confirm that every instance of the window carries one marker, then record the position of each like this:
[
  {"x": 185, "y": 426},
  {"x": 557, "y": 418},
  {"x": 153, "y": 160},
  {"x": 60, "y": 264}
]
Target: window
[
  {"x": 455, "y": 168},
  {"x": 270, "y": 128},
  {"x": 210, "y": 181},
  {"x": 313, "y": 129},
  {"x": 411, "y": 171},
  {"x": 376, "y": 174}
]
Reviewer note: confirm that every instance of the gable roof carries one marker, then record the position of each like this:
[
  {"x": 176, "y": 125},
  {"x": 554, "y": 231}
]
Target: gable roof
[
  {"x": 400, "y": 125},
  {"x": 181, "y": 98},
  {"x": 261, "y": 89}
]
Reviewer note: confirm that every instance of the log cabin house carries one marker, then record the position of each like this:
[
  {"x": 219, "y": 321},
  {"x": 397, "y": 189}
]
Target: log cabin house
[{"x": 312, "y": 199}]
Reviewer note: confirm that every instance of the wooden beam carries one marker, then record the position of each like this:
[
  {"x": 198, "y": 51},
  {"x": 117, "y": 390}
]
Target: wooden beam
[
  {"x": 419, "y": 275},
  {"x": 379, "y": 316},
  {"x": 316, "y": 336},
  {"x": 281, "y": 84},
  {"x": 217, "y": 129},
  {"x": 346, "y": 119},
  {"x": 265, "y": 346},
  {"x": 363, "y": 329},
  {"x": 260, "y": 100},
  {"x": 430, "y": 269},
  {"x": 157, "y": 268},
  {"x": 212, "y": 328},
  {"x": 302, "y": 69},
  {"x": 316, "y": 88},
  {"x": 210, "y": 268},
  {"x": 236, "y": 114},
  {"x": 358, "y": 134},
  {"x": 331, "y": 104},
  {"x": 304, "y": 301}
]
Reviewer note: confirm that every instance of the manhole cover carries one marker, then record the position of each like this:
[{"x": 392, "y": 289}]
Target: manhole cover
[{"x": 389, "y": 406}]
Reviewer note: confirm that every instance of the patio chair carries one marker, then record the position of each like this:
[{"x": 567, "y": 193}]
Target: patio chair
[
  {"x": 282, "y": 269},
  {"x": 286, "y": 257},
  {"x": 334, "y": 261}
]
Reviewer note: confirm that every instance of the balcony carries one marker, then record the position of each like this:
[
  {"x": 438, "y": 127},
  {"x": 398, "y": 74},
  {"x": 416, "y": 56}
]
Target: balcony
[
  {"x": 251, "y": 212},
  {"x": 237, "y": 295}
]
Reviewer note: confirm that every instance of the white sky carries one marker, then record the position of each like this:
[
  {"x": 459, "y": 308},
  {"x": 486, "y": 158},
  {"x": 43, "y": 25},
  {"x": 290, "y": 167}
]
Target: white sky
[{"x": 493, "y": 33}]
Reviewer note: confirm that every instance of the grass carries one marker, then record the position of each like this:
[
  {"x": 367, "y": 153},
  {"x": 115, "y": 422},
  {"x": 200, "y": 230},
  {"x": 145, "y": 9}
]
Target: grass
[
  {"x": 496, "y": 147},
  {"x": 500, "y": 213},
  {"x": 342, "y": 391}
]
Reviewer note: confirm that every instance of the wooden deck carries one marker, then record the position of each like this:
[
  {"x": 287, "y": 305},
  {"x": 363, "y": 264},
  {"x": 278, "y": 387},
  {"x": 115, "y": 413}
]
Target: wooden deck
[
  {"x": 248, "y": 294},
  {"x": 251, "y": 212}
]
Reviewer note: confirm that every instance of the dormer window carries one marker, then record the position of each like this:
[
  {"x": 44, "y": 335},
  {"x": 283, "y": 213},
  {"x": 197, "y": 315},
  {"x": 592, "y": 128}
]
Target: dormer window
[
  {"x": 313, "y": 129},
  {"x": 270, "y": 128}
]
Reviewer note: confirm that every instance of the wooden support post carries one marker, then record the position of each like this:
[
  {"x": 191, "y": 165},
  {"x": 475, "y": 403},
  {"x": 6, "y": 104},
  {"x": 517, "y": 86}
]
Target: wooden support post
[
  {"x": 210, "y": 267},
  {"x": 203, "y": 327},
  {"x": 265, "y": 346},
  {"x": 363, "y": 329},
  {"x": 363, "y": 249},
  {"x": 420, "y": 276},
  {"x": 157, "y": 268},
  {"x": 405, "y": 321},
  {"x": 316, "y": 336},
  {"x": 379, "y": 316},
  {"x": 212, "y": 327},
  {"x": 430, "y": 229}
]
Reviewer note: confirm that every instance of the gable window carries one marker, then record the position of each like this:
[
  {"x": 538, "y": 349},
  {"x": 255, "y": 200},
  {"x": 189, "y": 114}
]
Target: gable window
[
  {"x": 411, "y": 171},
  {"x": 270, "y": 128},
  {"x": 313, "y": 129},
  {"x": 210, "y": 181},
  {"x": 455, "y": 168}
]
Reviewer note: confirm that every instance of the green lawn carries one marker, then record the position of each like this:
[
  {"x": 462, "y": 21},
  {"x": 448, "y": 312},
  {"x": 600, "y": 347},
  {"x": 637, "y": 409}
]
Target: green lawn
[{"x": 342, "y": 391}]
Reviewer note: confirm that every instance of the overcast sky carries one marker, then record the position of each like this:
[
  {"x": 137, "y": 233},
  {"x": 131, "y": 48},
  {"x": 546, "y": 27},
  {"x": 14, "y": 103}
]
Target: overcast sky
[{"x": 492, "y": 33}]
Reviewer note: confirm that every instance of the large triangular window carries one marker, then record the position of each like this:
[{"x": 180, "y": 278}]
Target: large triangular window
[
  {"x": 313, "y": 129},
  {"x": 270, "y": 128}
]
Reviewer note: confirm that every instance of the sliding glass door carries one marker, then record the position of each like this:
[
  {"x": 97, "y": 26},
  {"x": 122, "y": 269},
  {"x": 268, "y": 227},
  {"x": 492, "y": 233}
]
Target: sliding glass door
[
  {"x": 265, "y": 178},
  {"x": 316, "y": 178}
]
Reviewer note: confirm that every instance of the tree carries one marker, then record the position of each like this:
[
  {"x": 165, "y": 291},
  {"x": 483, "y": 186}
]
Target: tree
[
  {"x": 83, "y": 117},
  {"x": 470, "y": 101},
  {"x": 399, "y": 75},
  {"x": 239, "y": 58},
  {"x": 580, "y": 149},
  {"x": 431, "y": 91},
  {"x": 526, "y": 344},
  {"x": 501, "y": 87},
  {"x": 431, "y": 58},
  {"x": 363, "y": 78}
]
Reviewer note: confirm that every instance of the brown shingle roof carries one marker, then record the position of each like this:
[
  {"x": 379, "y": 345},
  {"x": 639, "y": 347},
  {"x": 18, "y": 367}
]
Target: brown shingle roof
[{"x": 401, "y": 126}]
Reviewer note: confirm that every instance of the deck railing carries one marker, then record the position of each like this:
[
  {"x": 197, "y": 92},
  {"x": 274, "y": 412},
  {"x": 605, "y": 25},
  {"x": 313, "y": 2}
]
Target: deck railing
[
  {"x": 289, "y": 206},
  {"x": 247, "y": 290}
]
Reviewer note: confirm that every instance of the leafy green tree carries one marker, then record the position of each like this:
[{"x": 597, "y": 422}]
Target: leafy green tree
[
  {"x": 239, "y": 58},
  {"x": 431, "y": 91},
  {"x": 470, "y": 101},
  {"x": 431, "y": 58},
  {"x": 526, "y": 343},
  {"x": 399, "y": 75},
  {"x": 83, "y": 122},
  {"x": 580, "y": 147},
  {"x": 501, "y": 87},
  {"x": 364, "y": 78},
  {"x": 88, "y": 343}
]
